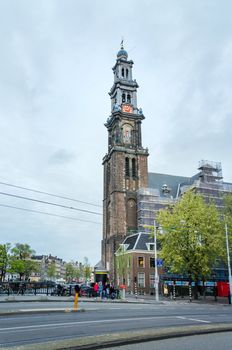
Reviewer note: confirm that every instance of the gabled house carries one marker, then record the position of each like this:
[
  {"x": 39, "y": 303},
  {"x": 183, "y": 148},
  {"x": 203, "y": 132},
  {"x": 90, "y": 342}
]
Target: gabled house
[{"x": 140, "y": 277}]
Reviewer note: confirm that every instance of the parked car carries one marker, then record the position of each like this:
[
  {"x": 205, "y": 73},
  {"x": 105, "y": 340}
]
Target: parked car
[{"x": 86, "y": 291}]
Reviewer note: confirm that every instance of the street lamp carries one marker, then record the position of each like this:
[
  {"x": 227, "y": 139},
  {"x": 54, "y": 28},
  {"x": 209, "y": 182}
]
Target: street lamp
[
  {"x": 228, "y": 262},
  {"x": 156, "y": 266}
]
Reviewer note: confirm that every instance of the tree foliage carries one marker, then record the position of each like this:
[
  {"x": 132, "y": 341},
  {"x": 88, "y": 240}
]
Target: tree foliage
[
  {"x": 192, "y": 237},
  {"x": 72, "y": 272},
  {"x": 4, "y": 260},
  {"x": 87, "y": 270},
  {"x": 122, "y": 263},
  {"x": 228, "y": 215},
  {"x": 20, "y": 261},
  {"x": 228, "y": 209},
  {"x": 51, "y": 270}
]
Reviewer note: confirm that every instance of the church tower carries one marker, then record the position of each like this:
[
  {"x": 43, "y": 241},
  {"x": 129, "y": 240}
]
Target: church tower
[{"x": 125, "y": 164}]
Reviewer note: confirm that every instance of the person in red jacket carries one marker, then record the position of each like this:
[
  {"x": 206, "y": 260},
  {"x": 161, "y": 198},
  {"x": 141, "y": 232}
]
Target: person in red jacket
[{"x": 96, "y": 288}]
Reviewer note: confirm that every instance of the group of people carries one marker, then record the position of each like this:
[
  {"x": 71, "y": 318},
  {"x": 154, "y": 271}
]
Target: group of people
[{"x": 105, "y": 291}]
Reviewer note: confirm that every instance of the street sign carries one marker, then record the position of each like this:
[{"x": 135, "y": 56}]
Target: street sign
[{"x": 159, "y": 262}]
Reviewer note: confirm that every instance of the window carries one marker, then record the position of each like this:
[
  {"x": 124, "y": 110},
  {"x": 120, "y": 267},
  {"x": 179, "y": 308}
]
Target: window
[
  {"x": 123, "y": 97},
  {"x": 141, "y": 261},
  {"x": 152, "y": 262},
  {"x": 152, "y": 280},
  {"x": 128, "y": 98},
  {"x": 127, "y": 167},
  {"x": 131, "y": 214},
  {"x": 150, "y": 246},
  {"x": 127, "y": 73},
  {"x": 141, "y": 279},
  {"x": 133, "y": 167},
  {"x": 122, "y": 72}
]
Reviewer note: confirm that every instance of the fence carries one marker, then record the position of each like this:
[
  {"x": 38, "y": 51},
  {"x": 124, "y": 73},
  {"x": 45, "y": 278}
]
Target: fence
[{"x": 26, "y": 288}]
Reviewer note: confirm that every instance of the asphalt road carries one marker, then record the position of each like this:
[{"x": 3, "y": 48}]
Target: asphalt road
[
  {"x": 104, "y": 318},
  {"x": 199, "y": 342}
]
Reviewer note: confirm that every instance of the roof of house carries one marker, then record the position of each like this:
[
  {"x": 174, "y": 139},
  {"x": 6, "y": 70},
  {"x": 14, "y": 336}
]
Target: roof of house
[
  {"x": 137, "y": 241},
  {"x": 157, "y": 180}
]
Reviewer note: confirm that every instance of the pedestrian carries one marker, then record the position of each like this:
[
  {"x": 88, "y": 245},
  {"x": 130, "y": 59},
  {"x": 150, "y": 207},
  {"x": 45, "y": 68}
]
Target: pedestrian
[
  {"x": 100, "y": 289},
  {"x": 112, "y": 292},
  {"x": 107, "y": 291},
  {"x": 77, "y": 289},
  {"x": 95, "y": 289},
  {"x": 104, "y": 291}
]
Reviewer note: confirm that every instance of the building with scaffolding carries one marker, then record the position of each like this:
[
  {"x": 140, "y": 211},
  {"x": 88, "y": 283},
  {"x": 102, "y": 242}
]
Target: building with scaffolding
[{"x": 165, "y": 190}]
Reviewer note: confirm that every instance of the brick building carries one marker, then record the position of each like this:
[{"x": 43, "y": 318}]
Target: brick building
[
  {"x": 132, "y": 196},
  {"x": 125, "y": 164},
  {"x": 139, "y": 248}
]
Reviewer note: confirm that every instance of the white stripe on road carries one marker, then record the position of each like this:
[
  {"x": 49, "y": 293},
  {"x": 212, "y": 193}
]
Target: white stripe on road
[
  {"x": 192, "y": 319},
  {"x": 85, "y": 322},
  {"x": 98, "y": 321}
]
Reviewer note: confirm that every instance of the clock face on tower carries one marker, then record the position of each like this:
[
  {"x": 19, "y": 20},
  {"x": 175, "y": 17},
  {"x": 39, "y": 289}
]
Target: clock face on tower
[{"x": 127, "y": 109}]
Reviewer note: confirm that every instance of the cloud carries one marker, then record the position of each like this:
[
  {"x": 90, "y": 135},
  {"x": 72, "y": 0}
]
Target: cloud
[
  {"x": 61, "y": 156},
  {"x": 55, "y": 68}
]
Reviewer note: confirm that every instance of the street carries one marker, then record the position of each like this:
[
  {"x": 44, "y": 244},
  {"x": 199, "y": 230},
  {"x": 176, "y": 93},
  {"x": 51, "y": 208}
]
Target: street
[
  {"x": 206, "y": 342},
  {"x": 103, "y": 318}
]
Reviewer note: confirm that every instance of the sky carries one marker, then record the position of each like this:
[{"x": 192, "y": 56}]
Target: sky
[{"x": 55, "y": 75}]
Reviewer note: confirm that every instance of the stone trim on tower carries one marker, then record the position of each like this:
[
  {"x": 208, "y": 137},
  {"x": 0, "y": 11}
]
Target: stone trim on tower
[{"x": 125, "y": 164}]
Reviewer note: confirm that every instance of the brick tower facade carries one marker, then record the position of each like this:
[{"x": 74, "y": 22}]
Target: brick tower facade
[{"x": 125, "y": 164}]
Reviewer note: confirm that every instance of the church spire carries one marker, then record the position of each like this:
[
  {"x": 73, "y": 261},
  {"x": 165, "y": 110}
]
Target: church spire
[{"x": 124, "y": 90}]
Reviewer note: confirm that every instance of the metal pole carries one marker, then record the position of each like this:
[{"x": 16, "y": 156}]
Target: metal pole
[
  {"x": 156, "y": 267},
  {"x": 228, "y": 261}
]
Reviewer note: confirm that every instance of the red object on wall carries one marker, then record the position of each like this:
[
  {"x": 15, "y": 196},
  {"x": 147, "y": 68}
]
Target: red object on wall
[{"x": 223, "y": 289}]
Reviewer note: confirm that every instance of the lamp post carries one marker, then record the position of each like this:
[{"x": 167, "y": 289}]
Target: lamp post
[
  {"x": 228, "y": 262},
  {"x": 156, "y": 266}
]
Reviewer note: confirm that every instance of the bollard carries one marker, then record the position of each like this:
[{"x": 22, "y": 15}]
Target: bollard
[
  {"x": 136, "y": 291},
  {"x": 190, "y": 293},
  {"x": 174, "y": 290},
  {"x": 76, "y": 302}
]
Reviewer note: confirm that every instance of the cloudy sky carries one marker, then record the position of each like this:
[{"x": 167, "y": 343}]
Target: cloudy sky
[{"x": 55, "y": 75}]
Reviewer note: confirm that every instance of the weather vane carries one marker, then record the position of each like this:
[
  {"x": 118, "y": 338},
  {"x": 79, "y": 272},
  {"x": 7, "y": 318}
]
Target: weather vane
[{"x": 122, "y": 42}]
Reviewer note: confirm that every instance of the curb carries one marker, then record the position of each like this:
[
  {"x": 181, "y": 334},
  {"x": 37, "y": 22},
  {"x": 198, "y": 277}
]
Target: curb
[
  {"x": 39, "y": 311},
  {"x": 125, "y": 338}
]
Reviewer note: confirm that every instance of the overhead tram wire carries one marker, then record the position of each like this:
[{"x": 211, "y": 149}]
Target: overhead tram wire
[
  {"x": 49, "y": 203},
  {"x": 50, "y": 214},
  {"x": 50, "y": 194}
]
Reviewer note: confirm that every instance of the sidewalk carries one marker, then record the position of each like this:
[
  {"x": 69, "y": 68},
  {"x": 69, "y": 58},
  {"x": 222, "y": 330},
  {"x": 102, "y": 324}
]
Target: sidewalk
[
  {"x": 12, "y": 303},
  {"x": 129, "y": 299}
]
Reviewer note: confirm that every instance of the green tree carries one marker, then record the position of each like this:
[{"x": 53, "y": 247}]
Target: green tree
[
  {"x": 228, "y": 209},
  {"x": 20, "y": 261},
  {"x": 122, "y": 264},
  {"x": 4, "y": 260},
  {"x": 86, "y": 269},
  {"x": 192, "y": 239},
  {"x": 51, "y": 270},
  {"x": 70, "y": 272}
]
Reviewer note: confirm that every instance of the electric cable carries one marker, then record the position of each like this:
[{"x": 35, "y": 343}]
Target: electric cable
[
  {"x": 49, "y": 203},
  {"x": 42, "y": 212},
  {"x": 50, "y": 194}
]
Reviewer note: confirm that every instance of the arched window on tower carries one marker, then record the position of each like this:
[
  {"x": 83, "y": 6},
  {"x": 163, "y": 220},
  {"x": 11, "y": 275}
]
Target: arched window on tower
[
  {"x": 128, "y": 98},
  {"x": 127, "y": 73},
  {"x": 127, "y": 167},
  {"x": 133, "y": 167},
  {"x": 123, "y": 72},
  {"x": 123, "y": 98},
  {"x": 131, "y": 215}
]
